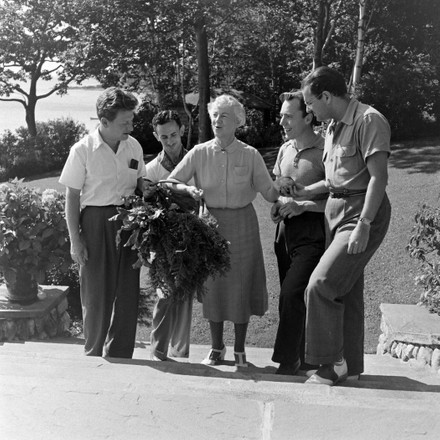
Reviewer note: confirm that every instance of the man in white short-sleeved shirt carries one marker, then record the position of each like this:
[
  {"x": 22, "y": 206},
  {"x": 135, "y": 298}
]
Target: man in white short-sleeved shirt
[{"x": 101, "y": 169}]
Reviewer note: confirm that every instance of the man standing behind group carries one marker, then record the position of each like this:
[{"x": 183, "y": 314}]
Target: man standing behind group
[
  {"x": 171, "y": 319},
  {"x": 300, "y": 159},
  {"x": 101, "y": 169}
]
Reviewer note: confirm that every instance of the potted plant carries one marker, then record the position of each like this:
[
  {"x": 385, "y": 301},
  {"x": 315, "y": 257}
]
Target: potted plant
[{"x": 33, "y": 238}]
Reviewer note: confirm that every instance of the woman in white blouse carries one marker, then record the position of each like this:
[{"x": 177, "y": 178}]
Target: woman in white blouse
[{"x": 228, "y": 174}]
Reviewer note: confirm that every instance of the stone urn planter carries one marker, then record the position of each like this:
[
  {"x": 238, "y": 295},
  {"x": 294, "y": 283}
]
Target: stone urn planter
[
  {"x": 21, "y": 287},
  {"x": 33, "y": 238}
]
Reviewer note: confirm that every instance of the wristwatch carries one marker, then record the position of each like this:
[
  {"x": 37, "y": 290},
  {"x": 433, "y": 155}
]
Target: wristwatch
[{"x": 365, "y": 220}]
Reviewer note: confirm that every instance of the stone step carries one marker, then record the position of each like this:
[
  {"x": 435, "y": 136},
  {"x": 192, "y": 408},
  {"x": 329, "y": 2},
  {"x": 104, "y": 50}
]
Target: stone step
[
  {"x": 49, "y": 390},
  {"x": 70, "y": 350}
]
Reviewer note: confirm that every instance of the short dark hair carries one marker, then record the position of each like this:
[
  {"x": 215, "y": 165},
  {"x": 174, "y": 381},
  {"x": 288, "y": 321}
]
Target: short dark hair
[
  {"x": 325, "y": 79},
  {"x": 165, "y": 116},
  {"x": 297, "y": 94},
  {"x": 112, "y": 100}
]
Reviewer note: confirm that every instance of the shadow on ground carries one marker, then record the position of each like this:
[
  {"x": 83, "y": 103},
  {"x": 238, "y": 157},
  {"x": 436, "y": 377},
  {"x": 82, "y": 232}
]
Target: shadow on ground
[
  {"x": 267, "y": 374},
  {"x": 421, "y": 158}
]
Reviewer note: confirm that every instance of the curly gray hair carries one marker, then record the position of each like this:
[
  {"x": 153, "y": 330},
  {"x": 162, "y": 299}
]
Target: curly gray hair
[{"x": 229, "y": 101}]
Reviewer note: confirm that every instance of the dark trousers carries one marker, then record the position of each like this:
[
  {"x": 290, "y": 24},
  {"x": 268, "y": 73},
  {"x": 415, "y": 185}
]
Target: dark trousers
[
  {"x": 109, "y": 287},
  {"x": 280, "y": 248},
  {"x": 305, "y": 243}
]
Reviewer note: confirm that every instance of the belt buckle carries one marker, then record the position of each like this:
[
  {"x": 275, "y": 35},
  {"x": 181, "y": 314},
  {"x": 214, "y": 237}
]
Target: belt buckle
[{"x": 339, "y": 194}]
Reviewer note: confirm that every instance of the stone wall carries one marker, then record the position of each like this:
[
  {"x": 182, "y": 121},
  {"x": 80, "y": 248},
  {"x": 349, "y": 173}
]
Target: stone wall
[
  {"x": 412, "y": 334},
  {"x": 44, "y": 319}
]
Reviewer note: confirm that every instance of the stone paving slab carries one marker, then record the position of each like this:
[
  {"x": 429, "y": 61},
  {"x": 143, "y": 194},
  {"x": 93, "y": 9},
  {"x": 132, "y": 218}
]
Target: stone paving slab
[
  {"x": 49, "y": 390},
  {"x": 411, "y": 323}
]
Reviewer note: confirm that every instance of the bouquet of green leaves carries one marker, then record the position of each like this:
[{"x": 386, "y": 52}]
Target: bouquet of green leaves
[{"x": 176, "y": 239}]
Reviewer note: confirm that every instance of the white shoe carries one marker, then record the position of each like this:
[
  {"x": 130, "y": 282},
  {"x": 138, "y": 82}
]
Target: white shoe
[
  {"x": 215, "y": 356},
  {"x": 329, "y": 374},
  {"x": 153, "y": 357},
  {"x": 240, "y": 359}
]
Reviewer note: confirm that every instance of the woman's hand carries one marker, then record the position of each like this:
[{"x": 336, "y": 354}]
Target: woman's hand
[
  {"x": 358, "y": 241},
  {"x": 285, "y": 186},
  {"x": 195, "y": 193}
]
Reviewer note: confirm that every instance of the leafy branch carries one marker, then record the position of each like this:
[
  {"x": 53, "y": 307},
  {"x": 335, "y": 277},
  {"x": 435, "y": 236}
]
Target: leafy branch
[{"x": 177, "y": 241}]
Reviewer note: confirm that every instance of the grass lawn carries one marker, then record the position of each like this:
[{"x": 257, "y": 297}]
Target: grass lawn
[{"x": 414, "y": 178}]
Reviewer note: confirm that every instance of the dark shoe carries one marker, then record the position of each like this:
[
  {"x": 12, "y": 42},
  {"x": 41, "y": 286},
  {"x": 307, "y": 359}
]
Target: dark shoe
[
  {"x": 330, "y": 374},
  {"x": 289, "y": 369}
]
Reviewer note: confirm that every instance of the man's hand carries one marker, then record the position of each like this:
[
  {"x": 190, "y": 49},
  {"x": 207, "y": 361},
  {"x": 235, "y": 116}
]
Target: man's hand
[
  {"x": 149, "y": 188},
  {"x": 292, "y": 209},
  {"x": 300, "y": 192},
  {"x": 275, "y": 212},
  {"x": 78, "y": 252},
  {"x": 358, "y": 240},
  {"x": 195, "y": 193}
]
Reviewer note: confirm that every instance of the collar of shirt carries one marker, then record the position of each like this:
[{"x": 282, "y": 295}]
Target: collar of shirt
[
  {"x": 97, "y": 140},
  {"x": 313, "y": 144},
  {"x": 348, "y": 118},
  {"x": 229, "y": 149}
]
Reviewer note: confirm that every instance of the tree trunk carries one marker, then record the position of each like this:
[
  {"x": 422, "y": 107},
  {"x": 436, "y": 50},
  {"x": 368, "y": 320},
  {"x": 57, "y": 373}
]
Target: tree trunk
[
  {"x": 181, "y": 73},
  {"x": 30, "y": 116},
  {"x": 203, "y": 77},
  {"x": 360, "y": 47},
  {"x": 319, "y": 35}
]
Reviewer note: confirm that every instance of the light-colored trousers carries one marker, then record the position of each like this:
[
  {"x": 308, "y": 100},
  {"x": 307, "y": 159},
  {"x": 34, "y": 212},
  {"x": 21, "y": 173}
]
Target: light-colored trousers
[
  {"x": 334, "y": 295},
  {"x": 171, "y": 328}
]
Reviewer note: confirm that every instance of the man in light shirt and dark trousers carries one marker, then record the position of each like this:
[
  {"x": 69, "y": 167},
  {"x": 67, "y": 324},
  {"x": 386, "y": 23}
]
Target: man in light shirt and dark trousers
[
  {"x": 171, "y": 327},
  {"x": 101, "y": 169}
]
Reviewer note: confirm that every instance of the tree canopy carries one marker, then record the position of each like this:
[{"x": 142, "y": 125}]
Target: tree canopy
[
  {"x": 168, "y": 48},
  {"x": 40, "y": 40}
]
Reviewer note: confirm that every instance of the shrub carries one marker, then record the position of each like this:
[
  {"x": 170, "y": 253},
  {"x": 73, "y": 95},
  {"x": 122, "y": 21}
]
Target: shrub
[
  {"x": 407, "y": 94},
  {"x": 256, "y": 133},
  {"x": 143, "y": 129},
  {"x": 54, "y": 140},
  {"x": 424, "y": 246},
  {"x": 22, "y": 155},
  {"x": 59, "y": 275}
]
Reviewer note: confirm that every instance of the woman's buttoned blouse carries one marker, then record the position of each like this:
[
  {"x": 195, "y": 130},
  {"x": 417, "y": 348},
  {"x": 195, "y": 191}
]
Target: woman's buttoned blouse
[
  {"x": 362, "y": 132},
  {"x": 230, "y": 177}
]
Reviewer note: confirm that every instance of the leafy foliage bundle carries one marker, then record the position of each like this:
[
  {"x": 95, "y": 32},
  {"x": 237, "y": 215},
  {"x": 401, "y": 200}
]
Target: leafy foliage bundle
[
  {"x": 178, "y": 242},
  {"x": 424, "y": 245}
]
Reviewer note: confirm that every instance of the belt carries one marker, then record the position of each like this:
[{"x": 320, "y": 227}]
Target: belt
[
  {"x": 103, "y": 206},
  {"x": 343, "y": 194}
]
